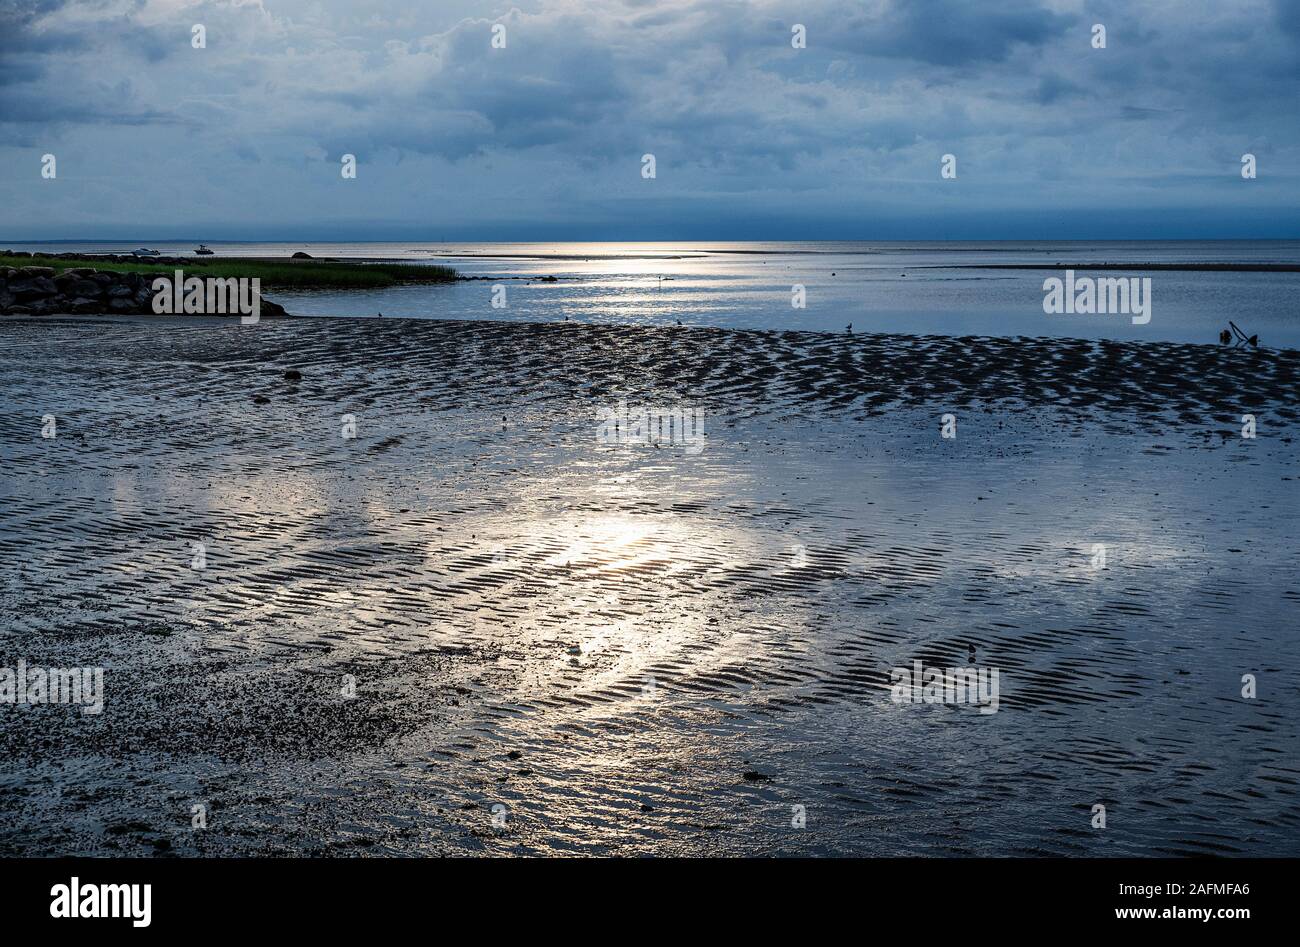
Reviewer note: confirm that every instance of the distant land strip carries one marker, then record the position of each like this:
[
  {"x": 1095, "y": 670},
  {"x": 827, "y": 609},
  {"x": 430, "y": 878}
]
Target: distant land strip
[{"x": 1201, "y": 267}]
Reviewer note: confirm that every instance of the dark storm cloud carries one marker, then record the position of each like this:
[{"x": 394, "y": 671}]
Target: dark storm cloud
[
  {"x": 952, "y": 32},
  {"x": 41, "y": 40},
  {"x": 854, "y": 123},
  {"x": 24, "y": 51}
]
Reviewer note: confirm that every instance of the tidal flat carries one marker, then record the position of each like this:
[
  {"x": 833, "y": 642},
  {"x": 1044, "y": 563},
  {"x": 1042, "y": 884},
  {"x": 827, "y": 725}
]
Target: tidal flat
[{"x": 476, "y": 627}]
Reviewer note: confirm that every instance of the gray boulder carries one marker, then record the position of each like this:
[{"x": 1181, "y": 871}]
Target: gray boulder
[{"x": 29, "y": 289}]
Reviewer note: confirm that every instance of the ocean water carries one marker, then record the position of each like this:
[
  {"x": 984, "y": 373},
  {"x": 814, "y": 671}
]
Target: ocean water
[{"x": 941, "y": 288}]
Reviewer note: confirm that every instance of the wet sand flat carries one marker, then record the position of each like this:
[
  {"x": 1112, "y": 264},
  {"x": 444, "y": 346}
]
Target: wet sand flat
[{"x": 558, "y": 645}]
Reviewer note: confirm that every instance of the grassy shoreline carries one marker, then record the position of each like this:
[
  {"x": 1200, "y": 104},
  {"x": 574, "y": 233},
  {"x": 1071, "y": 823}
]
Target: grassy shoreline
[{"x": 274, "y": 273}]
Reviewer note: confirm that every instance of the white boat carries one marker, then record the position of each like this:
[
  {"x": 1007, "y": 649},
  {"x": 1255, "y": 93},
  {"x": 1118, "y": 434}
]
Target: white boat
[
  {"x": 145, "y": 251},
  {"x": 203, "y": 250}
]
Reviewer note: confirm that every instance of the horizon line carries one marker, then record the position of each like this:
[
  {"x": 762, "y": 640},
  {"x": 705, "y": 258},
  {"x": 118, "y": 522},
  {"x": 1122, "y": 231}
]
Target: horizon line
[{"x": 4, "y": 241}]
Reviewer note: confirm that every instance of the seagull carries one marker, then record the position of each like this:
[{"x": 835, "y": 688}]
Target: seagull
[{"x": 1241, "y": 336}]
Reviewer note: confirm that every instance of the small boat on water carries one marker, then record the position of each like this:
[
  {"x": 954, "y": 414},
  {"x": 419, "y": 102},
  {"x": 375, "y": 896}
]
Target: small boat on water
[
  {"x": 145, "y": 251},
  {"x": 203, "y": 250}
]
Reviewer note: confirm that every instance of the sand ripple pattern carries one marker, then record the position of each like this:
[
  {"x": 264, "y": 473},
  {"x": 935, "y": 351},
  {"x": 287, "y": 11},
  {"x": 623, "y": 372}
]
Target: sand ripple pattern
[{"x": 636, "y": 649}]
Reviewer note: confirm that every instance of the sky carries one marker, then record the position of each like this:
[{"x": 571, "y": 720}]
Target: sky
[{"x": 753, "y": 139}]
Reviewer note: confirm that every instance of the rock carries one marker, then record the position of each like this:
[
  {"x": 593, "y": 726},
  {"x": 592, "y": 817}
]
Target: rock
[
  {"x": 299, "y": 255},
  {"x": 292, "y": 374},
  {"x": 39, "y": 290},
  {"x": 82, "y": 287},
  {"x": 29, "y": 289}
]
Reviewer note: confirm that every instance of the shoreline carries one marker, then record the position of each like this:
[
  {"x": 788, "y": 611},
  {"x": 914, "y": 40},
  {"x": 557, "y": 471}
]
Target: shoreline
[
  {"x": 1164, "y": 267},
  {"x": 862, "y": 334},
  {"x": 277, "y": 273}
]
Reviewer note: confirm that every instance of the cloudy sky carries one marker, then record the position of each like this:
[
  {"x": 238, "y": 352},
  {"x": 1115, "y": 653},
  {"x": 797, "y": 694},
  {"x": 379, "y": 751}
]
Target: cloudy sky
[{"x": 456, "y": 140}]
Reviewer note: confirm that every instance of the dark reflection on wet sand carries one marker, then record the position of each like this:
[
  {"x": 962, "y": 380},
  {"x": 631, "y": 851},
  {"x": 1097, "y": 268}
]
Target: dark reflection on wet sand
[{"x": 635, "y": 649}]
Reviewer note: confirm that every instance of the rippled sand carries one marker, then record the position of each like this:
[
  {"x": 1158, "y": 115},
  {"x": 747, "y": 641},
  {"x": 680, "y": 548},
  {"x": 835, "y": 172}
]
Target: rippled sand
[{"x": 640, "y": 650}]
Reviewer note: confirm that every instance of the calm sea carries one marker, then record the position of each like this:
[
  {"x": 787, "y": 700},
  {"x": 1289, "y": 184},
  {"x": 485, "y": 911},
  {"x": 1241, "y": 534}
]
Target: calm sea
[{"x": 941, "y": 288}]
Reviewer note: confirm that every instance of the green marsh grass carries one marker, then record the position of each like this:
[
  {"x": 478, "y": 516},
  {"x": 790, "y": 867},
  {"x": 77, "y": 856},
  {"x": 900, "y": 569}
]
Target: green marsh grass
[{"x": 298, "y": 274}]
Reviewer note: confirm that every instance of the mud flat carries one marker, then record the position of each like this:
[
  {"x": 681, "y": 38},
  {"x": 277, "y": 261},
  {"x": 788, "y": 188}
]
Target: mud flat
[{"x": 473, "y": 627}]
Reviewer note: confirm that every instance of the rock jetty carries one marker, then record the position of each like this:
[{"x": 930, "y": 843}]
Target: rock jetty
[{"x": 43, "y": 290}]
